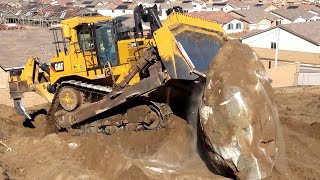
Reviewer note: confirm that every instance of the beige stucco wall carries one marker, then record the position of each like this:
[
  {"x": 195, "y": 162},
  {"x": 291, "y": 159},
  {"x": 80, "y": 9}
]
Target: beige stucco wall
[
  {"x": 284, "y": 75},
  {"x": 246, "y": 24},
  {"x": 263, "y": 21},
  {"x": 288, "y": 56}
]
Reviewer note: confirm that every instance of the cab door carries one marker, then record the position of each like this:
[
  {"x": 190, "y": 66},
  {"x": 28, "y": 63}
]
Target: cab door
[{"x": 106, "y": 44}]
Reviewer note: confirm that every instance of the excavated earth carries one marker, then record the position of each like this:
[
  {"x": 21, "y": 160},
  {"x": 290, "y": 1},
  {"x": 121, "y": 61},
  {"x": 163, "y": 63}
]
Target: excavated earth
[{"x": 168, "y": 153}]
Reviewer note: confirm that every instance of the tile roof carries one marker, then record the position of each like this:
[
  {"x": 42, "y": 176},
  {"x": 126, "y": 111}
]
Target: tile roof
[
  {"x": 254, "y": 15},
  {"x": 219, "y": 3},
  {"x": 238, "y": 4},
  {"x": 262, "y": 6},
  {"x": 122, "y": 6},
  {"x": 69, "y": 3},
  {"x": 218, "y": 16},
  {"x": 307, "y": 30},
  {"x": 314, "y": 9},
  {"x": 305, "y": 7},
  {"x": 293, "y": 14},
  {"x": 185, "y": 6},
  {"x": 145, "y": 1},
  {"x": 5, "y": 8},
  {"x": 90, "y": 3},
  {"x": 85, "y": 12},
  {"x": 127, "y": 20},
  {"x": 159, "y": 1},
  {"x": 71, "y": 12}
]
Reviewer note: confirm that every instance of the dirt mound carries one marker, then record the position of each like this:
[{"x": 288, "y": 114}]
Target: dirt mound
[
  {"x": 166, "y": 153},
  {"x": 163, "y": 154},
  {"x": 300, "y": 120}
]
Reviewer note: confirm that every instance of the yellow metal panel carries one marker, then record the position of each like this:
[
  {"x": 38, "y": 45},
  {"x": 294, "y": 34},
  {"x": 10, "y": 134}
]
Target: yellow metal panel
[
  {"x": 74, "y": 22},
  {"x": 178, "y": 18}
]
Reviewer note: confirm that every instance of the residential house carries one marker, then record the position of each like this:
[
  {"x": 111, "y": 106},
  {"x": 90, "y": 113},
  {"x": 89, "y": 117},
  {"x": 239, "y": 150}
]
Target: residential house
[
  {"x": 217, "y": 6},
  {"x": 302, "y": 37},
  {"x": 199, "y": 5},
  {"x": 186, "y": 6},
  {"x": 88, "y": 3},
  {"x": 229, "y": 23},
  {"x": 298, "y": 43},
  {"x": 235, "y": 5},
  {"x": 4, "y": 9},
  {"x": 13, "y": 4},
  {"x": 227, "y": 6},
  {"x": 150, "y": 3},
  {"x": 51, "y": 15},
  {"x": 44, "y": 15},
  {"x": 72, "y": 12},
  {"x": 288, "y": 16},
  {"x": 255, "y": 18},
  {"x": 114, "y": 10}
]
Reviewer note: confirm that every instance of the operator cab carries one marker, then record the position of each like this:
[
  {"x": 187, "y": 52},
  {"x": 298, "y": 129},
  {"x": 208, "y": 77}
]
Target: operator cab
[{"x": 102, "y": 38}]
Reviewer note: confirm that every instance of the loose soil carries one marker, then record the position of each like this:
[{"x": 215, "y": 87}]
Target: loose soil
[{"x": 169, "y": 153}]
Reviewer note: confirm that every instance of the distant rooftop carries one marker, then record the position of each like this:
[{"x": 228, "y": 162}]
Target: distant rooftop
[
  {"x": 293, "y": 14},
  {"x": 217, "y": 16},
  {"x": 307, "y": 30},
  {"x": 254, "y": 15}
]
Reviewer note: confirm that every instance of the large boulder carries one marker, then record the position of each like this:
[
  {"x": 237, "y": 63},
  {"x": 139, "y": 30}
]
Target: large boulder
[{"x": 238, "y": 116}]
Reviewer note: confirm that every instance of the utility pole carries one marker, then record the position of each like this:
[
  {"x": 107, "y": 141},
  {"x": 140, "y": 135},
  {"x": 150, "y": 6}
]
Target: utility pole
[{"x": 277, "y": 48}]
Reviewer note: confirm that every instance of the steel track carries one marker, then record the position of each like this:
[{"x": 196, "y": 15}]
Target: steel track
[{"x": 53, "y": 125}]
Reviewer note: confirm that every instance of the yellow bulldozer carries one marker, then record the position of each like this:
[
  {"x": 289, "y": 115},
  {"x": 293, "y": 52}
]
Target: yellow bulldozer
[
  {"x": 107, "y": 77},
  {"x": 103, "y": 68}
]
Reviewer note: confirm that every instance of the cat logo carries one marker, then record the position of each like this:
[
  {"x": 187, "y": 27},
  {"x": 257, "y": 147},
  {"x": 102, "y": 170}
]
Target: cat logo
[{"x": 57, "y": 66}]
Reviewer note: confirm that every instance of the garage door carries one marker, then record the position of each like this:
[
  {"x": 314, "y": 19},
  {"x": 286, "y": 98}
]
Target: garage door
[
  {"x": 263, "y": 26},
  {"x": 252, "y": 27}
]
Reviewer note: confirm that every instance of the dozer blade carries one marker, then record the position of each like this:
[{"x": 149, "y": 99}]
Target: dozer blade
[
  {"x": 19, "y": 106},
  {"x": 190, "y": 45}
]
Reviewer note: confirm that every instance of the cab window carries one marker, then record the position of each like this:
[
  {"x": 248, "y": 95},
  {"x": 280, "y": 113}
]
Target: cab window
[
  {"x": 106, "y": 45},
  {"x": 86, "y": 40}
]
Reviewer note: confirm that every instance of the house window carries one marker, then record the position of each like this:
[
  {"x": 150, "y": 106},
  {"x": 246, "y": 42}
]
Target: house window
[
  {"x": 238, "y": 26},
  {"x": 278, "y": 23},
  {"x": 230, "y": 26},
  {"x": 273, "y": 45}
]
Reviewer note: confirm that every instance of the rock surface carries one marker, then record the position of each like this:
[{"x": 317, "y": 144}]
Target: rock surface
[{"x": 238, "y": 115}]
